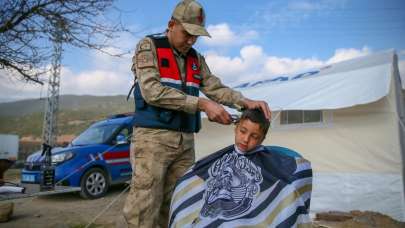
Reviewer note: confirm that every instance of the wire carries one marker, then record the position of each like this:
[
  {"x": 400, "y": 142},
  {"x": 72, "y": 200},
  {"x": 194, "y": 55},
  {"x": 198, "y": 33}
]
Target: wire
[{"x": 107, "y": 207}]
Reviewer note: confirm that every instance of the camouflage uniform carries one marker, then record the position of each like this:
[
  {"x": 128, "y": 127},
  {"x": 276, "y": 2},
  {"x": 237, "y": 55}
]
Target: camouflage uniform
[{"x": 161, "y": 156}]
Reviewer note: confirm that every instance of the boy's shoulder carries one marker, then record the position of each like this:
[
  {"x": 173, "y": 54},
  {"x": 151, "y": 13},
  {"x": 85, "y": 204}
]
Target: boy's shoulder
[
  {"x": 214, "y": 156},
  {"x": 283, "y": 151}
]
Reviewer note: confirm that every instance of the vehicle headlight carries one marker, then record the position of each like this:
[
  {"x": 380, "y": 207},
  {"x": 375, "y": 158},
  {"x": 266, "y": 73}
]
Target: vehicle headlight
[{"x": 59, "y": 158}]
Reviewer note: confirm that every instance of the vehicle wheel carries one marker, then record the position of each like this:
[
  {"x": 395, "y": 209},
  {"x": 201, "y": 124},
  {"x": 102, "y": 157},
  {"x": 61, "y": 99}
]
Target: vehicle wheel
[{"x": 94, "y": 184}]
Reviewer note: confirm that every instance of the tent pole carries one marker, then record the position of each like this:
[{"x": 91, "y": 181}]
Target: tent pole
[{"x": 400, "y": 100}]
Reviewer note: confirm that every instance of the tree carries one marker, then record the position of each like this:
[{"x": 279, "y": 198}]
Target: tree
[{"x": 28, "y": 28}]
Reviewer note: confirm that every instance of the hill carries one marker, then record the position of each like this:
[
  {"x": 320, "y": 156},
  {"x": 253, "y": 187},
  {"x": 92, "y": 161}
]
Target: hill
[{"x": 25, "y": 118}]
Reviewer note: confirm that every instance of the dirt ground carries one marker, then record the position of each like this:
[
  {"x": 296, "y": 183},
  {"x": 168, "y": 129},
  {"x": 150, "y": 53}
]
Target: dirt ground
[
  {"x": 71, "y": 211},
  {"x": 66, "y": 210}
]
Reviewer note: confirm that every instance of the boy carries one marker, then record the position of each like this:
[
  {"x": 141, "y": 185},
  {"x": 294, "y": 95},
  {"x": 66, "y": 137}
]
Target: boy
[
  {"x": 250, "y": 130},
  {"x": 245, "y": 184}
]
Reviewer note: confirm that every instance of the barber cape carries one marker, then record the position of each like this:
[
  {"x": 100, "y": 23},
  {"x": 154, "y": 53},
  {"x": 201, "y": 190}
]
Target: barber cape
[{"x": 267, "y": 187}]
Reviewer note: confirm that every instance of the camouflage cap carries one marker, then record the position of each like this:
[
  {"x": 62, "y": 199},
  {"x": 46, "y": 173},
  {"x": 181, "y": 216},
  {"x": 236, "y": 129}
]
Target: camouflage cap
[{"x": 191, "y": 15}]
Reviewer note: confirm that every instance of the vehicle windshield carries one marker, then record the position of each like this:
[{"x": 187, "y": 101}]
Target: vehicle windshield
[{"x": 95, "y": 135}]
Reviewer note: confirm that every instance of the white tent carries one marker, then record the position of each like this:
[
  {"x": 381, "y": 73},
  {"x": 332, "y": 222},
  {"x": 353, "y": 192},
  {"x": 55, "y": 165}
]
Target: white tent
[{"x": 356, "y": 146}]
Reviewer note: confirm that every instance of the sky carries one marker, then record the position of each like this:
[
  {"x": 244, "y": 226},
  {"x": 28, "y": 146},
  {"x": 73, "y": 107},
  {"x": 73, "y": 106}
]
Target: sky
[{"x": 251, "y": 40}]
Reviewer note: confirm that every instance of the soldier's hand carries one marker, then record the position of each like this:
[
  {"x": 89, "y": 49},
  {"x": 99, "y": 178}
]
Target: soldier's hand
[
  {"x": 252, "y": 104},
  {"x": 214, "y": 111}
]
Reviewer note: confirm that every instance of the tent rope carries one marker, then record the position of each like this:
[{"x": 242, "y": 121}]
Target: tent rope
[{"x": 107, "y": 207}]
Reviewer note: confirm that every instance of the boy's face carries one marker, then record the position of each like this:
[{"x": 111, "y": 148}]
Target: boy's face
[{"x": 248, "y": 135}]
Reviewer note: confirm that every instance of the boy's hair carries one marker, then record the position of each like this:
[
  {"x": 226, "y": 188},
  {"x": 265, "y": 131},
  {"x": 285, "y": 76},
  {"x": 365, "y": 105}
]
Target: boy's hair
[{"x": 256, "y": 116}]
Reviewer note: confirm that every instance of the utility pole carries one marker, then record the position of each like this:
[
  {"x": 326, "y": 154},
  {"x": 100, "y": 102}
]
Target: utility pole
[
  {"x": 49, "y": 130},
  {"x": 49, "y": 133}
]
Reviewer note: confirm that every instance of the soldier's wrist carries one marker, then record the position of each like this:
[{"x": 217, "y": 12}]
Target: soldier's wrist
[
  {"x": 202, "y": 103},
  {"x": 191, "y": 104}
]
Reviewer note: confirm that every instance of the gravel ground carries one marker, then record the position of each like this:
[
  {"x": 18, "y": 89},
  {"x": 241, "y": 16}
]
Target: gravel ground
[{"x": 66, "y": 210}]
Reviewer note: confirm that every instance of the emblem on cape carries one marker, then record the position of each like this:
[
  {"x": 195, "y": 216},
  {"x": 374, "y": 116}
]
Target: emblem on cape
[{"x": 233, "y": 183}]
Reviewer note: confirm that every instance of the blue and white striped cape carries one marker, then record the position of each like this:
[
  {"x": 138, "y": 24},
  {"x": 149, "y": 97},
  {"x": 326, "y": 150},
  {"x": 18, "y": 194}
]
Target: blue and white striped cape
[{"x": 268, "y": 187}]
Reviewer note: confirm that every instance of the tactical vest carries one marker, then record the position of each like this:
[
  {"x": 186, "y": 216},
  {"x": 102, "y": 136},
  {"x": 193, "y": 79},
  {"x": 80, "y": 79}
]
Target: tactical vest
[{"x": 150, "y": 116}]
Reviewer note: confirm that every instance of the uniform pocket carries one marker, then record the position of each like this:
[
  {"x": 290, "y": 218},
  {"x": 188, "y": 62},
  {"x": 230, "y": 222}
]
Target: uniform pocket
[
  {"x": 143, "y": 168},
  {"x": 143, "y": 180}
]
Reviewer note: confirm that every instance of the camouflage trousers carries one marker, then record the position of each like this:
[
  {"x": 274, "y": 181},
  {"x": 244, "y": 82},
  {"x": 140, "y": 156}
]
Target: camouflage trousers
[{"x": 158, "y": 158}]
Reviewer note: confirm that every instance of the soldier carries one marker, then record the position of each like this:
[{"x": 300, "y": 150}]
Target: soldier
[{"x": 170, "y": 74}]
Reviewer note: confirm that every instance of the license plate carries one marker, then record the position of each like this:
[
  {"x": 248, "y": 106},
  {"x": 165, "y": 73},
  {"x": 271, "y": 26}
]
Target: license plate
[{"x": 28, "y": 178}]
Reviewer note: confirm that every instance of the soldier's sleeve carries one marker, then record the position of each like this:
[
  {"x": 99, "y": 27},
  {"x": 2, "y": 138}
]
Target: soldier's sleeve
[
  {"x": 155, "y": 93},
  {"x": 213, "y": 88}
]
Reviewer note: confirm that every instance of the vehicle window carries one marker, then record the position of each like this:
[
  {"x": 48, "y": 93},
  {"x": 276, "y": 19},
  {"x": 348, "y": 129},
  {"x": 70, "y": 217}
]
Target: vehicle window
[
  {"x": 125, "y": 132},
  {"x": 95, "y": 135}
]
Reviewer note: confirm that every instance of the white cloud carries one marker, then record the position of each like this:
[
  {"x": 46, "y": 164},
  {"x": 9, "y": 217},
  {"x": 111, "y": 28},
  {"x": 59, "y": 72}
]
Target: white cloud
[
  {"x": 96, "y": 82},
  {"x": 105, "y": 75},
  {"x": 252, "y": 53},
  {"x": 224, "y": 65},
  {"x": 222, "y": 35},
  {"x": 90, "y": 83},
  {"x": 253, "y": 64},
  {"x": 237, "y": 69},
  {"x": 123, "y": 43},
  {"x": 105, "y": 79},
  {"x": 111, "y": 76},
  {"x": 349, "y": 53},
  {"x": 101, "y": 61},
  {"x": 12, "y": 89},
  {"x": 278, "y": 66}
]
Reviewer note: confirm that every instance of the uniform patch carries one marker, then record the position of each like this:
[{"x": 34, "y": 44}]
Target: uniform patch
[
  {"x": 144, "y": 59},
  {"x": 145, "y": 46}
]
